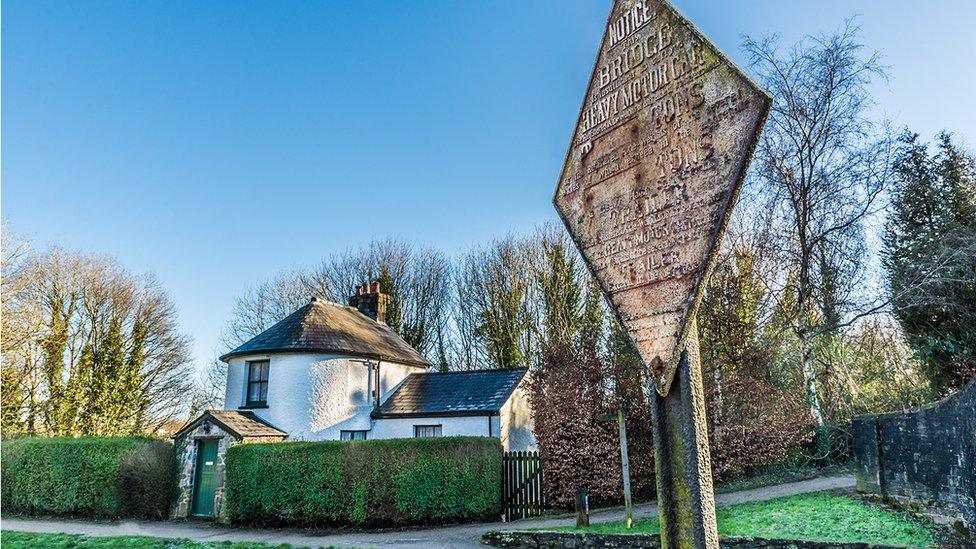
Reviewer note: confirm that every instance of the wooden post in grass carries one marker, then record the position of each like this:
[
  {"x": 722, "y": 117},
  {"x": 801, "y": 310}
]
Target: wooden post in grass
[
  {"x": 625, "y": 467},
  {"x": 582, "y": 508}
]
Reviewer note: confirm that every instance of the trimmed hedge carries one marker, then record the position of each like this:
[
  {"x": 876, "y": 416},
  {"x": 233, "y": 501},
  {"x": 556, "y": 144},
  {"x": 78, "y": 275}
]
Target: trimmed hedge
[
  {"x": 398, "y": 481},
  {"x": 88, "y": 477}
]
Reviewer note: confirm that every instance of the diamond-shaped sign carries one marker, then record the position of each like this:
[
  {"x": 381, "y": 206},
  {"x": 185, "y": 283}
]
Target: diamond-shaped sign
[{"x": 664, "y": 136}]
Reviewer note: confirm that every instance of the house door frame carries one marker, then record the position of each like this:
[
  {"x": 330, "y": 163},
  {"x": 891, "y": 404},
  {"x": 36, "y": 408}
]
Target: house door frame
[{"x": 198, "y": 473}]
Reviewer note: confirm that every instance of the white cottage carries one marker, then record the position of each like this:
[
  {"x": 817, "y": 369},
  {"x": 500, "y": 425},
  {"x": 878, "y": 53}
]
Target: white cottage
[{"x": 336, "y": 372}]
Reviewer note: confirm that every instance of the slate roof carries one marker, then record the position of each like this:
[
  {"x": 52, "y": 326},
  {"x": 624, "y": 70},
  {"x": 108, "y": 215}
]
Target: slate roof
[
  {"x": 240, "y": 423},
  {"x": 323, "y": 326},
  {"x": 478, "y": 392}
]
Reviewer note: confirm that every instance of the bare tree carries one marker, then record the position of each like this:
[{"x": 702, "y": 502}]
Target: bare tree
[
  {"x": 98, "y": 348},
  {"x": 417, "y": 280},
  {"x": 21, "y": 369},
  {"x": 491, "y": 312},
  {"x": 824, "y": 165},
  {"x": 261, "y": 306}
]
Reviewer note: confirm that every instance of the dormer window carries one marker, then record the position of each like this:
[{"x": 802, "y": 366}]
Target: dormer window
[{"x": 257, "y": 383}]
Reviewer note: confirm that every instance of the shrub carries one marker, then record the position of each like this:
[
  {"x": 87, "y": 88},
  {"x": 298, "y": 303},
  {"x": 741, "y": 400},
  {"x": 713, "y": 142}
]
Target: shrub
[
  {"x": 89, "y": 477},
  {"x": 146, "y": 484},
  {"x": 400, "y": 481},
  {"x": 754, "y": 424},
  {"x": 575, "y": 424}
]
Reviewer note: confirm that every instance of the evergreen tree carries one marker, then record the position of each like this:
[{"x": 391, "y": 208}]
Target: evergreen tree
[
  {"x": 591, "y": 319},
  {"x": 110, "y": 391},
  {"x": 135, "y": 401},
  {"x": 394, "y": 308},
  {"x": 930, "y": 256},
  {"x": 53, "y": 346}
]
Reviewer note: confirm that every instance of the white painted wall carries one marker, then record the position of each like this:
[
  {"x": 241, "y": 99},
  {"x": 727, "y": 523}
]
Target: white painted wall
[
  {"x": 517, "y": 432},
  {"x": 473, "y": 426},
  {"x": 315, "y": 396}
]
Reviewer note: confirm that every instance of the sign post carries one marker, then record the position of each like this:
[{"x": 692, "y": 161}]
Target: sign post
[
  {"x": 682, "y": 464},
  {"x": 663, "y": 139}
]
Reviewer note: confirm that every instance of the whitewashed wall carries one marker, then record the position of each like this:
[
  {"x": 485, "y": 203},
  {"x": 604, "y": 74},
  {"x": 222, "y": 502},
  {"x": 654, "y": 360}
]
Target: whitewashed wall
[
  {"x": 314, "y": 396},
  {"x": 517, "y": 432},
  {"x": 473, "y": 426}
]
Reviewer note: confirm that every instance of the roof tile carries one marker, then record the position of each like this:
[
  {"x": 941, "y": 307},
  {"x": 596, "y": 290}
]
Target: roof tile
[
  {"x": 324, "y": 326},
  {"x": 479, "y": 391}
]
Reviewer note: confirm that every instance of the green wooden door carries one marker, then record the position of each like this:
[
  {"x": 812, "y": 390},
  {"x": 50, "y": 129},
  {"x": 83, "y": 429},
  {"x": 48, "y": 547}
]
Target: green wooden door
[{"x": 205, "y": 483}]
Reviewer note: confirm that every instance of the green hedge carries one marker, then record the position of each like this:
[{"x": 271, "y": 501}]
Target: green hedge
[
  {"x": 88, "y": 477},
  {"x": 404, "y": 481}
]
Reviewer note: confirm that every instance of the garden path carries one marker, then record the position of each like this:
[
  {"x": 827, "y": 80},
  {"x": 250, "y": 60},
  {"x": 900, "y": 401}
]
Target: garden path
[{"x": 466, "y": 535}]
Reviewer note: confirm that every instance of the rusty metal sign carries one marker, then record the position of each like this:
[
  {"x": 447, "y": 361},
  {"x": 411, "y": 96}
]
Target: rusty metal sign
[{"x": 661, "y": 146}]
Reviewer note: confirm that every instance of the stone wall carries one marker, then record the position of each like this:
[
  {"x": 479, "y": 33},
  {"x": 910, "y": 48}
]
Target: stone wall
[
  {"x": 186, "y": 456},
  {"x": 925, "y": 457}
]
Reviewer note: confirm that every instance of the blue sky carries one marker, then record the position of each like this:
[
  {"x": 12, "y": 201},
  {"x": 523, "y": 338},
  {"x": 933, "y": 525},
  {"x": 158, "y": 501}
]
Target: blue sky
[{"x": 217, "y": 143}]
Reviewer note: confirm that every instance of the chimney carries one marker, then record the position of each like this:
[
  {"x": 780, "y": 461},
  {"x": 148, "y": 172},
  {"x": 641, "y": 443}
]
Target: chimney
[{"x": 370, "y": 301}]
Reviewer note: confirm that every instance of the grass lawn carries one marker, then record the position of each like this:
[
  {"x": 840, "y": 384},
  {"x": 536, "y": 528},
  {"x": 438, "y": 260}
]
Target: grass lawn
[
  {"x": 816, "y": 517},
  {"x": 25, "y": 540}
]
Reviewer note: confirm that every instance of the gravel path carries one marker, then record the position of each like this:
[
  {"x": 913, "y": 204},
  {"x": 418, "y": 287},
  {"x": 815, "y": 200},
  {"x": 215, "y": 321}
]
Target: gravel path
[{"x": 467, "y": 535}]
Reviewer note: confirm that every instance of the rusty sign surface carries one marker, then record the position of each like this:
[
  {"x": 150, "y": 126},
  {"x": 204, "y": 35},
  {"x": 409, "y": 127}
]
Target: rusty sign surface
[{"x": 663, "y": 139}]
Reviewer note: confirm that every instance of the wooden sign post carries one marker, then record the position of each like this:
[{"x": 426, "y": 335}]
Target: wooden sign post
[{"x": 663, "y": 139}]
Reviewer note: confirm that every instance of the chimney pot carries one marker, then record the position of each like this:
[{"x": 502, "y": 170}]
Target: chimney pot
[{"x": 370, "y": 301}]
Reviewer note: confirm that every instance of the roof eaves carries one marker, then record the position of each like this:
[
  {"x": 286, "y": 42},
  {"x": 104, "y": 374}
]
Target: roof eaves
[
  {"x": 383, "y": 358},
  {"x": 196, "y": 422},
  {"x": 259, "y": 419},
  {"x": 225, "y": 427},
  {"x": 379, "y": 414}
]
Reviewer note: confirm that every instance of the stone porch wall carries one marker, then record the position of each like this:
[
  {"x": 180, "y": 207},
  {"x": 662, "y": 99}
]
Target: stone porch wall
[{"x": 186, "y": 455}]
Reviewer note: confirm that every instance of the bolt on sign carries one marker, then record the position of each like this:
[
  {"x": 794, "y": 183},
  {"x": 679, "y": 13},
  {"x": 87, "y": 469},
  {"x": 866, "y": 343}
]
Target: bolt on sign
[{"x": 661, "y": 146}]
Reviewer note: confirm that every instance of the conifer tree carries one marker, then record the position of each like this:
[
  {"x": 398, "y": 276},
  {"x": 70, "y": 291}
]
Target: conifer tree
[
  {"x": 108, "y": 390},
  {"x": 53, "y": 346},
  {"x": 133, "y": 379},
  {"x": 394, "y": 308},
  {"x": 930, "y": 256}
]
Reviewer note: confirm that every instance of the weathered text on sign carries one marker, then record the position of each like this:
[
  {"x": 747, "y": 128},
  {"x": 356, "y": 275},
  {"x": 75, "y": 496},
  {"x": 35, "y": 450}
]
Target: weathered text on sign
[{"x": 661, "y": 146}]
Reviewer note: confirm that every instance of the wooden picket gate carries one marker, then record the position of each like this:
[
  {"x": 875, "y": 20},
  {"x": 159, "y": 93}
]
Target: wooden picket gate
[{"x": 522, "y": 494}]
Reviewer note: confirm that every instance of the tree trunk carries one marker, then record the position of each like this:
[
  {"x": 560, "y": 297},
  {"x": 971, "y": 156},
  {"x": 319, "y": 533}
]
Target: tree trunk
[{"x": 810, "y": 378}]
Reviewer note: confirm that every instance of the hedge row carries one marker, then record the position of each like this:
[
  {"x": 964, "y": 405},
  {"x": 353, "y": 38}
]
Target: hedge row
[
  {"x": 88, "y": 477},
  {"x": 405, "y": 481}
]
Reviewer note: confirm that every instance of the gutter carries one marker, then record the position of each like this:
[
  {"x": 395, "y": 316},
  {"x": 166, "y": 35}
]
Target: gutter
[{"x": 448, "y": 413}]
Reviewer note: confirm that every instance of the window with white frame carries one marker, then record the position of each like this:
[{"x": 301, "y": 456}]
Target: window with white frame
[
  {"x": 427, "y": 431},
  {"x": 352, "y": 435}
]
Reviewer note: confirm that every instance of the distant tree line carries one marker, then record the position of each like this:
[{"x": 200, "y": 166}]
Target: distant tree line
[{"x": 88, "y": 348}]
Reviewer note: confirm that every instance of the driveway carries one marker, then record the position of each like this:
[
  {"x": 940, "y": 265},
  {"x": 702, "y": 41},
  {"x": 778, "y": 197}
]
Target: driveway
[{"x": 467, "y": 535}]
